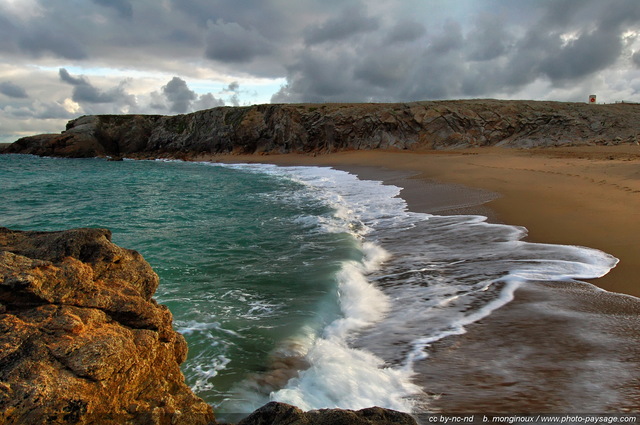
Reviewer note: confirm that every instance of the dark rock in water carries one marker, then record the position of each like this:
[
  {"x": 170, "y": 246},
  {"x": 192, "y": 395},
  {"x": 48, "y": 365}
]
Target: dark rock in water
[
  {"x": 285, "y": 414},
  {"x": 81, "y": 339},
  {"x": 321, "y": 128}
]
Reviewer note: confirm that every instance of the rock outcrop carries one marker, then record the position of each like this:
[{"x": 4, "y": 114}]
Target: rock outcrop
[
  {"x": 281, "y": 413},
  {"x": 81, "y": 339},
  {"x": 320, "y": 128}
]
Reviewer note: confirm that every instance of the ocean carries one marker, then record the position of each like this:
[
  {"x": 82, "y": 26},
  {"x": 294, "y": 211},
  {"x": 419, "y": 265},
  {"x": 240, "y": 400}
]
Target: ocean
[{"x": 304, "y": 285}]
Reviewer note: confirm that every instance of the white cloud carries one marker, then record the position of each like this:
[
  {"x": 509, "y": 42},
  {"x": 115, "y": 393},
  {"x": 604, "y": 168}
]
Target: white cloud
[
  {"x": 70, "y": 106},
  {"x": 23, "y": 10}
]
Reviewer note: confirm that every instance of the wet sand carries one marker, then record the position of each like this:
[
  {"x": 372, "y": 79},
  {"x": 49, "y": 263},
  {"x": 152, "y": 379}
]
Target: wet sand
[{"x": 557, "y": 347}]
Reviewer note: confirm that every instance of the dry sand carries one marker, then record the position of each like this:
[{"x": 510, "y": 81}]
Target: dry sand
[{"x": 556, "y": 348}]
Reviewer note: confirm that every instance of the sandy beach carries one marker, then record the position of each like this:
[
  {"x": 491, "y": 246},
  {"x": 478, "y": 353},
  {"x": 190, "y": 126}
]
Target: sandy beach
[
  {"x": 557, "y": 347},
  {"x": 587, "y": 196}
]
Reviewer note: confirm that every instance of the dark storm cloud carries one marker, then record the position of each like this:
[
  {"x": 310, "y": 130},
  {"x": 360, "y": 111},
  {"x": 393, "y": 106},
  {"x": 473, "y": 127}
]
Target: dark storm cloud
[
  {"x": 488, "y": 39},
  {"x": 230, "y": 42},
  {"x": 381, "y": 72},
  {"x": 616, "y": 16},
  {"x": 38, "y": 110},
  {"x": 182, "y": 99},
  {"x": 233, "y": 89},
  {"x": 13, "y": 90},
  {"x": 7, "y": 34},
  {"x": 274, "y": 21},
  {"x": 585, "y": 55},
  {"x": 405, "y": 31},
  {"x": 331, "y": 50},
  {"x": 451, "y": 39},
  {"x": 353, "y": 20},
  {"x": 253, "y": 37},
  {"x": 560, "y": 42},
  {"x": 574, "y": 39},
  {"x": 123, "y": 7},
  {"x": 207, "y": 101},
  {"x": 85, "y": 92},
  {"x": 179, "y": 95},
  {"x": 51, "y": 110},
  {"x": 316, "y": 77},
  {"x": 47, "y": 41},
  {"x": 92, "y": 30},
  {"x": 74, "y": 81}
]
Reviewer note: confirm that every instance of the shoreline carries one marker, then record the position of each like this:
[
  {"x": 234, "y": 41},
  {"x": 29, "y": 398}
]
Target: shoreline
[
  {"x": 558, "y": 347},
  {"x": 586, "y": 196}
]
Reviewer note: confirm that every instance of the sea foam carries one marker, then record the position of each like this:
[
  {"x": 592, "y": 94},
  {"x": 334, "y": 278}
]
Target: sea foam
[
  {"x": 338, "y": 374},
  {"x": 342, "y": 376},
  {"x": 422, "y": 278}
]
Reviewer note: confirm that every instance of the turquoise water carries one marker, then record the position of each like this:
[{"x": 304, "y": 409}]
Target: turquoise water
[
  {"x": 297, "y": 284},
  {"x": 242, "y": 262}
]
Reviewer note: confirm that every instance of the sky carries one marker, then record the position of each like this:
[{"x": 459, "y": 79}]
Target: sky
[{"x": 60, "y": 59}]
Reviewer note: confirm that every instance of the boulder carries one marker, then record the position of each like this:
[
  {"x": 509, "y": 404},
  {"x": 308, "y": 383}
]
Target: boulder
[
  {"x": 284, "y": 414},
  {"x": 81, "y": 338}
]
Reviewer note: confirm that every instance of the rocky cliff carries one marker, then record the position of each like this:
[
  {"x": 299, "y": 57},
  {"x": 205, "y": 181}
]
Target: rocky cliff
[
  {"x": 81, "y": 339},
  {"x": 319, "y": 128}
]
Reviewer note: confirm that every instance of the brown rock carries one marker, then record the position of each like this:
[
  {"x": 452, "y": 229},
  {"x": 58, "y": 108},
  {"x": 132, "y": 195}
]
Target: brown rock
[
  {"x": 81, "y": 339},
  {"x": 284, "y": 414},
  {"x": 72, "y": 145}
]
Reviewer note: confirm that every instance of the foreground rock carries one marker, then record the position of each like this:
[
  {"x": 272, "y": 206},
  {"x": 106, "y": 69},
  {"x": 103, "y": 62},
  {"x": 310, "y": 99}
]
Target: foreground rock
[
  {"x": 81, "y": 339},
  {"x": 320, "y": 128},
  {"x": 280, "y": 413}
]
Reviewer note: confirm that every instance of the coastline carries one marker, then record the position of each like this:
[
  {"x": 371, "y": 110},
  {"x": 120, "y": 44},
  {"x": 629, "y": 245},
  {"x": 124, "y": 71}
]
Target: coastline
[
  {"x": 588, "y": 196},
  {"x": 557, "y": 347}
]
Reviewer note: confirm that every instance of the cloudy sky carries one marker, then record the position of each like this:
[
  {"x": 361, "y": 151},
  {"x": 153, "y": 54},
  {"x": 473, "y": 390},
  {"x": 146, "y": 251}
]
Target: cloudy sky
[{"x": 63, "y": 58}]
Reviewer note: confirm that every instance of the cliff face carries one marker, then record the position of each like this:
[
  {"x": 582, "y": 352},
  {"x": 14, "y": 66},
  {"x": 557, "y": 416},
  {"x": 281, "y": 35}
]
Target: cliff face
[
  {"x": 332, "y": 127},
  {"x": 81, "y": 339}
]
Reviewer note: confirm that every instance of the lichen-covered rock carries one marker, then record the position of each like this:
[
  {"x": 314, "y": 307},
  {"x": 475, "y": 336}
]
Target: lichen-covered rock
[
  {"x": 320, "y": 128},
  {"x": 81, "y": 339},
  {"x": 284, "y": 414}
]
